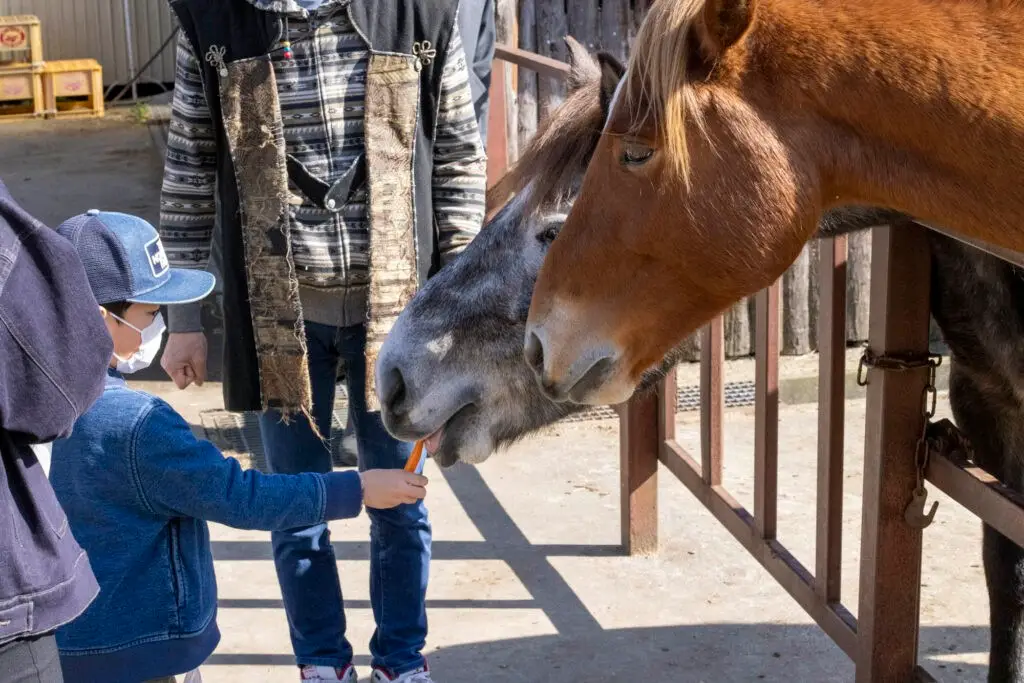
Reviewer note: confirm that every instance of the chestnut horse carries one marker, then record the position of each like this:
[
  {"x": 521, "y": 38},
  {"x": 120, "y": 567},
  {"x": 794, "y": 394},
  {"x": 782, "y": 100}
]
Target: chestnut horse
[{"x": 739, "y": 122}]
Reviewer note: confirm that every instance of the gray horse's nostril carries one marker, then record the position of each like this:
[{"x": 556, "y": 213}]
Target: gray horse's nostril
[
  {"x": 392, "y": 389},
  {"x": 533, "y": 351}
]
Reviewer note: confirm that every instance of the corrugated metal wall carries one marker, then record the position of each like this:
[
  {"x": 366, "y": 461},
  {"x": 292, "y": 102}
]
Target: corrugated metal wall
[{"x": 74, "y": 29}]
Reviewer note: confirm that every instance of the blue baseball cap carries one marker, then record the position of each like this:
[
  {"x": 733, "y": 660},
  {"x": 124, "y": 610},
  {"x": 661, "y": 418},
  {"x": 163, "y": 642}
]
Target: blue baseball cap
[{"x": 125, "y": 261}]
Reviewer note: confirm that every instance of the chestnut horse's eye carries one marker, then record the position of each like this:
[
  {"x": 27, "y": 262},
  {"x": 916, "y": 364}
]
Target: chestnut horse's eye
[{"x": 636, "y": 154}]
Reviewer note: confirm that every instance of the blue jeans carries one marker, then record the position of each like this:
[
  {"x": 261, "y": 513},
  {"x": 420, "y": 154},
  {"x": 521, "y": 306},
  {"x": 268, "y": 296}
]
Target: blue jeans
[{"x": 399, "y": 538}]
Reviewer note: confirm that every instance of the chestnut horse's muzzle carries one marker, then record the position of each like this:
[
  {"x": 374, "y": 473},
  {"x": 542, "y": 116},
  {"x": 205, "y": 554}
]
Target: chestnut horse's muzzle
[{"x": 583, "y": 377}]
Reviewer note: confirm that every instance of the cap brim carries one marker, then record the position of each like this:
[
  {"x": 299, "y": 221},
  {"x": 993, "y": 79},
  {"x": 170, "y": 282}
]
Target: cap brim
[{"x": 182, "y": 287}]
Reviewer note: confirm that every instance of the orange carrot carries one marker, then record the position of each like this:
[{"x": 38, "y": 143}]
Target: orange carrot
[{"x": 413, "y": 463}]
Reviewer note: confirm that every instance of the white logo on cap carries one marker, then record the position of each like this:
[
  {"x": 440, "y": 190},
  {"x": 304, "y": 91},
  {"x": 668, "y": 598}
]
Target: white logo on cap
[{"x": 157, "y": 258}]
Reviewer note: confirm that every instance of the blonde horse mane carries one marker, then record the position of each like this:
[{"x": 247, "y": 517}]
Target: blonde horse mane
[{"x": 657, "y": 78}]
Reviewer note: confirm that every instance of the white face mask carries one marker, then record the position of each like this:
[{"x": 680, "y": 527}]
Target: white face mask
[{"x": 152, "y": 336}]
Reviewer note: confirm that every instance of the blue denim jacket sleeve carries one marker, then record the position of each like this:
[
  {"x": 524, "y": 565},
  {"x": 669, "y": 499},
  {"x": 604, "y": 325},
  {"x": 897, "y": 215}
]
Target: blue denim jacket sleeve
[{"x": 180, "y": 475}]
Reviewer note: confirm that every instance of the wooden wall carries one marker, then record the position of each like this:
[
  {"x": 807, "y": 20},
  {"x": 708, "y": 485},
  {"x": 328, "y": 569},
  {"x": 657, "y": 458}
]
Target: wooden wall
[{"x": 540, "y": 26}]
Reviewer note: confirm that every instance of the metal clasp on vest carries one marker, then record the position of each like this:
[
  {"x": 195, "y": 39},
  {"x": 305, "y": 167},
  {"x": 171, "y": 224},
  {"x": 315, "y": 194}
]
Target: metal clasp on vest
[
  {"x": 425, "y": 53},
  {"x": 215, "y": 58}
]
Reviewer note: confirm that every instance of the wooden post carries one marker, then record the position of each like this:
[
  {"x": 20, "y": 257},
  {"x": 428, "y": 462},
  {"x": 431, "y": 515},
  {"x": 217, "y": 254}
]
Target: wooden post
[
  {"x": 615, "y": 25},
  {"x": 814, "y": 293},
  {"x": 527, "y": 104},
  {"x": 737, "y": 330},
  {"x": 796, "y": 325},
  {"x": 551, "y": 30},
  {"x": 890, "y": 576},
  {"x": 583, "y": 22},
  {"x": 858, "y": 303},
  {"x": 640, "y": 8},
  {"x": 639, "y": 444}
]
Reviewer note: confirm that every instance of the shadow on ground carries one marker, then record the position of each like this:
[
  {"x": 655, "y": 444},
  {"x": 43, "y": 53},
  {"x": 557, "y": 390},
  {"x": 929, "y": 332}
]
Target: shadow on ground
[
  {"x": 700, "y": 653},
  {"x": 582, "y": 649}
]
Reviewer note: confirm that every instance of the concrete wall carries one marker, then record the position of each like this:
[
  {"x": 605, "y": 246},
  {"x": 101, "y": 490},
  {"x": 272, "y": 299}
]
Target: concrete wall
[{"x": 76, "y": 29}]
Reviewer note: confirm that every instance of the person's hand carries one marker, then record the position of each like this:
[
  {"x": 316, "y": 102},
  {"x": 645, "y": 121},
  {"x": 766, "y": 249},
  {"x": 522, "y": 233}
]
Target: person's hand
[
  {"x": 184, "y": 358},
  {"x": 384, "y": 489}
]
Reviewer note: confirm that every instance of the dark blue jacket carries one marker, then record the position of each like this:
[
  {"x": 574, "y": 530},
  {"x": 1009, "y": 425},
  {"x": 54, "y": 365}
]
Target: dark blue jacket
[
  {"x": 54, "y": 351},
  {"x": 138, "y": 487}
]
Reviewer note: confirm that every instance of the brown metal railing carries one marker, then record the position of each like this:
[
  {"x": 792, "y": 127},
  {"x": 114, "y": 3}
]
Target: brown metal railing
[{"x": 882, "y": 642}]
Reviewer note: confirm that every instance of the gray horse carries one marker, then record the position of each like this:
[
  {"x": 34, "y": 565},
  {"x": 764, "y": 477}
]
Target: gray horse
[{"x": 453, "y": 368}]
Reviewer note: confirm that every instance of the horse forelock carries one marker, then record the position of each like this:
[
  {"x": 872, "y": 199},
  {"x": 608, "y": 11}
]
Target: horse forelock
[
  {"x": 657, "y": 80},
  {"x": 559, "y": 153}
]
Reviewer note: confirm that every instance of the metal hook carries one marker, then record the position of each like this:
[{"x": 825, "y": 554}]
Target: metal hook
[{"x": 914, "y": 513}]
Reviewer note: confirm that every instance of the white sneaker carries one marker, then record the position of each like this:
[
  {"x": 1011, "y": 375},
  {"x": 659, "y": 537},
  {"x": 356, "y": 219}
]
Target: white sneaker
[
  {"x": 421, "y": 675},
  {"x": 328, "y": 674}
]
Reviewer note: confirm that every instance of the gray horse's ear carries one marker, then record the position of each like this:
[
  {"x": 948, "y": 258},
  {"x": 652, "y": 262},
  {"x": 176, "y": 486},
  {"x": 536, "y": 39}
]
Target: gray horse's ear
[
  {"x": 582, "y": 66},
  {"x": 722, "y": 24},
  {"x": 611, "y": 73}
]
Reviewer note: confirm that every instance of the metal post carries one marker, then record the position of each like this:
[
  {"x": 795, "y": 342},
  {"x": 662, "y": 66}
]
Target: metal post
[
  {"x": 129, "y": 39},
  {"x": 890, "y": 577},
  {"x": 639, "y": 443}
]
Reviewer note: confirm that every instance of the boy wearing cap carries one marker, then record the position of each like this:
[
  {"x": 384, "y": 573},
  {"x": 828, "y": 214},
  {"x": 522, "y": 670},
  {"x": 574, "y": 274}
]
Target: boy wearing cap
[{"x": 138, "y": 486}]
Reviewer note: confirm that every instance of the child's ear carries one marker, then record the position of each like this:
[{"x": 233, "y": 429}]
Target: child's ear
[{"x": 104, "y": 312}]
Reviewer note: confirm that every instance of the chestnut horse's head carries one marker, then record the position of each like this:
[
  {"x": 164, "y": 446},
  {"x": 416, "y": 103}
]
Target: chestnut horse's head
[{"x": 697, "y": 195}]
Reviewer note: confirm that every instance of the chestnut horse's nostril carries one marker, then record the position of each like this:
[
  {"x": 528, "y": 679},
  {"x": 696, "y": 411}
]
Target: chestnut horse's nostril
[
  {"x": 592, "y": 379},
  {"x": 534, "y": 353},
  {"x": 392, "y": 390}
]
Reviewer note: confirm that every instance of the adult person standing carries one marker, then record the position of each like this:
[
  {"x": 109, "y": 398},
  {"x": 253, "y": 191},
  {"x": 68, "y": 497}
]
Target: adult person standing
[
  {"x": 337, "y": 143},
  {"x": 54, "y": 349}
]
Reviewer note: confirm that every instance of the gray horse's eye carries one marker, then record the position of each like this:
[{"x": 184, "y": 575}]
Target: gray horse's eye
[
  {"x": 552, "y": 226},
  {"x": 549, "y": 234}
]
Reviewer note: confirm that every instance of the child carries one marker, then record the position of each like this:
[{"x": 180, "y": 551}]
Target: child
[{"x": 138, "y": 487}]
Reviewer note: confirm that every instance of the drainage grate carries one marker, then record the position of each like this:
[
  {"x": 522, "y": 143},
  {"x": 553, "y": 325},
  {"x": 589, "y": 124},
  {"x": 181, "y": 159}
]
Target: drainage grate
[{"x": 239, "y": 433}]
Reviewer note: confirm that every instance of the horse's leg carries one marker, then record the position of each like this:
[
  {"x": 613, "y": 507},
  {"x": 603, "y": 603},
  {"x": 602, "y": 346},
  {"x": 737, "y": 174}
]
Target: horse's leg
[
  {"x": 994, "y": 426},
  {"x": 1004, "y": 573}
]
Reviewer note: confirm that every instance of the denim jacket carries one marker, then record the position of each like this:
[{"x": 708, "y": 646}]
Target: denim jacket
[
  {"x": 53, "y": 351},
  {"x": 138, "y": 488}
]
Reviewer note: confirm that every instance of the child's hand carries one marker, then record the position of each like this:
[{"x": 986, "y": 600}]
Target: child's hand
[{"x": 389, "y": 488}]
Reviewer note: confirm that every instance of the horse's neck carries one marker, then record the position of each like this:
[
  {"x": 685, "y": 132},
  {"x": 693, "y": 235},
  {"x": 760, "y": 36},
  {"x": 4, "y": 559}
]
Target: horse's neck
[{"x": 921, "y": 104}]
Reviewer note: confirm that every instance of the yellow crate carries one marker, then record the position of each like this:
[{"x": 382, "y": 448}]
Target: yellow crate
[
  {"x": 73, "y": 87},
  {"x": 21, "y": 93},
  {"x": 21, "y": 41}
]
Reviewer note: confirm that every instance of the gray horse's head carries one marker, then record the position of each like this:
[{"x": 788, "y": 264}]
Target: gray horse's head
[{"x": 452, "y": 366}]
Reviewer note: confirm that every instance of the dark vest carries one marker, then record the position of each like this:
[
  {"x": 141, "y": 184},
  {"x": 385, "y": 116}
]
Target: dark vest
[{"x": 245, "y": 32}]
